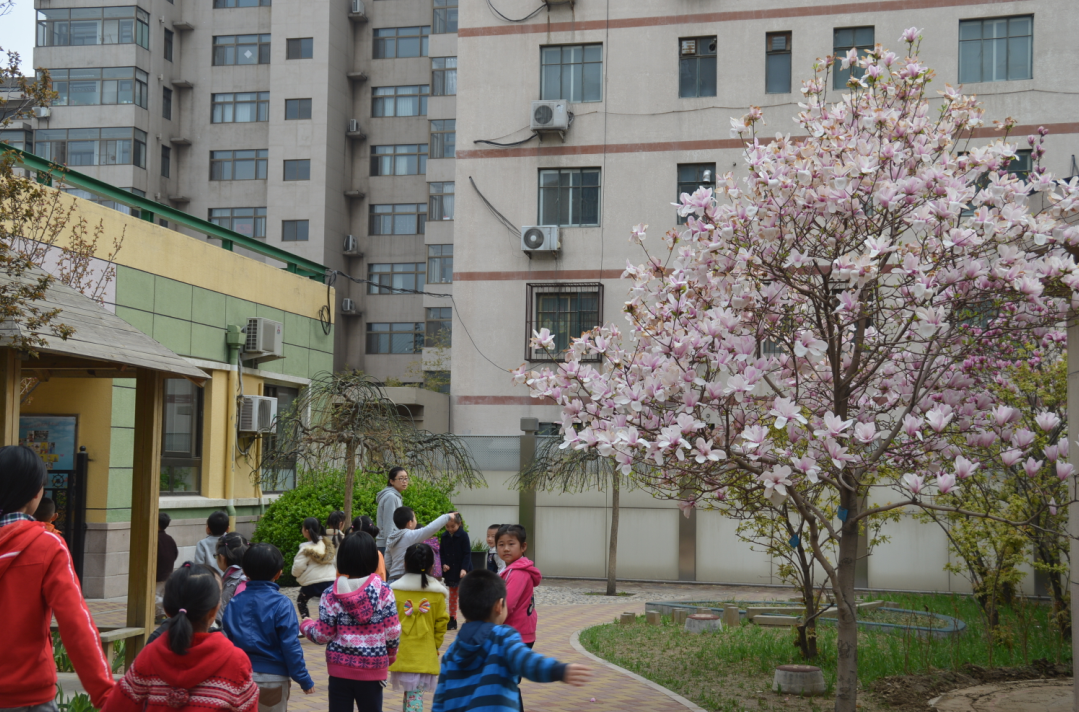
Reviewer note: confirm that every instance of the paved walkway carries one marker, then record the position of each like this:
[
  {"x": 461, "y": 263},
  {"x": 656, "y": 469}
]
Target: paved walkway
[{"x": 613, "y": 691}]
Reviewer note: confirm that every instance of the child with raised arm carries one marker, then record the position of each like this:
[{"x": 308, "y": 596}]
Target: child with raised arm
[
  {"x": 483, "y": 666},
  {"x": 405, "y": 535}
]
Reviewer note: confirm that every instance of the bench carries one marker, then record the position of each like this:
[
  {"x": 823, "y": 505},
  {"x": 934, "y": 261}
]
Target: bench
[{"x": 110, "y": 635}]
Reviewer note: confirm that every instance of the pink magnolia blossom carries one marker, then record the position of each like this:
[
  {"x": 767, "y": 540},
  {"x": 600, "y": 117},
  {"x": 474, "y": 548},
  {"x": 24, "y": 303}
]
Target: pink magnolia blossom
[
  {"x": 945, "y": 483},
  {"x": 1022, "y": 438},
  {"x": 1031, "y": 466},
  {"x": 938, "y": 419},
  {"x": 865, "y": 433},
  {"x": 776, "y": 481},
  {"x": 1047, "y": 421},
  {"x": 964, "y": 468},
  {"x": 915, "y": 483},
  {"x": 638, "y": 233},
  {"x": 686, "y": 506},
  {"x": 1003, "y": 415},
  {"x": 543, "y": 338},
  {"x": 784, "y": 409},
  {"x": 833, "y": 426},
  {"x": 1065, "y": 470},
  {"x": 1010, "y": 457}
]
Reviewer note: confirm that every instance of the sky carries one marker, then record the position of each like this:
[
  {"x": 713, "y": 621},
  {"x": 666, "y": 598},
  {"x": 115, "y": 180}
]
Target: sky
[{"x": 17, "y": 32}]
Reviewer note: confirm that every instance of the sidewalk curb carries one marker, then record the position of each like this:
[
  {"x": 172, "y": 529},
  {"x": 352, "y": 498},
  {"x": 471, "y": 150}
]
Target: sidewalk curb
[{"x": 576, "y": 643}]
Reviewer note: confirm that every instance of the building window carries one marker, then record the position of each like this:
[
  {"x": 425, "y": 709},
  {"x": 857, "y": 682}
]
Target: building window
[
  {"x": 843, "y": 41},
  {"x": 443, "y": 76},
  {"x": 443, "y": 138},
  {"x": 440, "y": 264},
  {"x": 22, "y": 139},
  {"x": 282, "y": 475},
  {"x": 400, "y": 219},
  {"x": 692, "y": 176},
  {"x": 294, "y": 230},
  {"x": 697, "y": 67},
  {"x": 92, "y": 147},
  {"x": 299, "y": 169},
  {"x": 441, "y": 203},
  {"x": 566, "y": 310},
  {"x": 777, "y": 63},
  {"x": 406, "y": 159},
  {"x": 572, "y": 73},
  {"x": 996, "y": 49},
  {"x": 297, "y": 109},
  {"x": 398, "y": 42},
  {"x": 238, "y": 165},
  {"x": 300, "y": 48},
  {"x": 246, "y": 221},
  {"x": 439, "y": 327},
  {"x": 80, "y": 26},
  {"x": 219, "y": 4},
  {"x": 168, "y": 45},
  {"x": 111, "y": 204},
  {"x": 166, "y": 161},
  {"x": 392, "y": 278},
  {"x": 569, "y": 197},
  {"x": 181, "y": 447},
  {"x": 395, "y": 338},
  {"x": 399, "y": 101},
  {"x": 445, "y": 17},
  {"x": 241, "y": 49},
  {"x": 107, "y": 85},
  {"x": 166, "y": 103},
  {"x": 240, "y": 108}
]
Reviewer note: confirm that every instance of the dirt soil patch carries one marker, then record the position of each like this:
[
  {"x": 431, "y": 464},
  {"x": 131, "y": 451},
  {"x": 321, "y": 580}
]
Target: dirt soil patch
[{"x": 909, "y": 693}]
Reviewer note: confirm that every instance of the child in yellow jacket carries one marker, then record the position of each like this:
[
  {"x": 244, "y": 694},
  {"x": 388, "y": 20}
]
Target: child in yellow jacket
[{"x": 424, "y": 614}]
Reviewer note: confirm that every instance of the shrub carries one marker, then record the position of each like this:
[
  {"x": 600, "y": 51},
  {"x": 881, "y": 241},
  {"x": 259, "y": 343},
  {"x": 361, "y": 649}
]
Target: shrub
[{"x": 319, "y": 493}]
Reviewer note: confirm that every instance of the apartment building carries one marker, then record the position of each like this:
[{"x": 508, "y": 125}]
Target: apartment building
[{"x": 323, "y": 128}]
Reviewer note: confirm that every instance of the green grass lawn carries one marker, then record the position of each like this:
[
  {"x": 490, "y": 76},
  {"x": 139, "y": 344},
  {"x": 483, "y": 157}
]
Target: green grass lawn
[{"x": 733, "y": 669}]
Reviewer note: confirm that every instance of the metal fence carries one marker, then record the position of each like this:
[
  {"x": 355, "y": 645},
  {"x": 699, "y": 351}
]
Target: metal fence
[{"x": 495, "y": 453}]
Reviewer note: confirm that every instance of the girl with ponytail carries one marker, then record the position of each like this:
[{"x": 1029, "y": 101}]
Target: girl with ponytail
[
  {"x": 424, "y": 615},
  {"x": 335, "y": 528},
  {"x": 313, "y": 568},
  {"x": 188, "y": 666}
]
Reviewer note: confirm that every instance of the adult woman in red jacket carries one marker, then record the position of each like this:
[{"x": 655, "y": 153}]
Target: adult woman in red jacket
[{"x": 37, "y": 581}]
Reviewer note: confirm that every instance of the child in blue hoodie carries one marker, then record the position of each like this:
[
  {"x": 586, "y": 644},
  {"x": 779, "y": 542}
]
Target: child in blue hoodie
[
  {"x": 491, "y": 657},
  {"x": 261, "y": 621}
]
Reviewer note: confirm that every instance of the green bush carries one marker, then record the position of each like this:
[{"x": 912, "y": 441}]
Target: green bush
[{"x": 318, "y": 494}]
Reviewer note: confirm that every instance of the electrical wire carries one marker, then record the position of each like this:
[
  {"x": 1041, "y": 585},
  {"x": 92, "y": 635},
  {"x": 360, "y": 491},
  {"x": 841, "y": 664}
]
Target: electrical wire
[
  {"x": 508, "y": 145},
  {"x": 526, "y": 18},
  {"x": 514, "y": 230}
]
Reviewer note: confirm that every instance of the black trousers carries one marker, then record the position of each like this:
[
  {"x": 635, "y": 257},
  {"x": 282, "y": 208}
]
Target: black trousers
[
  {"x": 307, "y": 593},
  {"x": 348, "y": 695}
]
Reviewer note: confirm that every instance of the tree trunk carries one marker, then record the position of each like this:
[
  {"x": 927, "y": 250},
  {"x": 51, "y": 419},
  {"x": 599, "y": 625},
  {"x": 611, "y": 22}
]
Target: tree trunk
[
  {"x": 612, "y": 555},
  {"x": 847, "y": 660},
  {"x": 350, "y": 479},
  {"x": 807, "y": 632}
]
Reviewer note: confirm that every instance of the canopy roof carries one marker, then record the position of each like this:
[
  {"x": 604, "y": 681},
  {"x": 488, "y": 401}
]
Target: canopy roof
[{"x": 103, "y": 345}]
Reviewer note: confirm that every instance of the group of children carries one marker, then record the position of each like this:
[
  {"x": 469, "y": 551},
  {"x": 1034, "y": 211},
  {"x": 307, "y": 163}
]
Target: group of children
[{"x": 382, "y": 626}]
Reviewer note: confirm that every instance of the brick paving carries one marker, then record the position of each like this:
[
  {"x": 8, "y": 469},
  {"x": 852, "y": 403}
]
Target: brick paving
[{"x": 612, "y": 690}]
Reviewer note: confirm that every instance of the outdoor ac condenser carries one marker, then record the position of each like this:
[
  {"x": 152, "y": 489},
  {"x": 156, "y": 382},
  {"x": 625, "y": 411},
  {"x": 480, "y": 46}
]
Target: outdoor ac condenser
[
  {"x": 258, "y": 414},
  {"x": 264, "y": 340}
]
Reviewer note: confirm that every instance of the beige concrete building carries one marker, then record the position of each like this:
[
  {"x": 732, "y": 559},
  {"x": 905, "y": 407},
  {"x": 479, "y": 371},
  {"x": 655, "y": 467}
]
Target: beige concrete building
[
  {"x": 298, "y": 123},
  {"x": 651, "y": 86}
]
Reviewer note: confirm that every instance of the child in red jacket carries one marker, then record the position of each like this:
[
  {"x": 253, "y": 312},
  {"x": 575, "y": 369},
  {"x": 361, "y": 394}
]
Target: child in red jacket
[
  {"x": 188, "y": 669},
  {"x": 38, "y": 581},
  {"x": 521, "y": 577}
]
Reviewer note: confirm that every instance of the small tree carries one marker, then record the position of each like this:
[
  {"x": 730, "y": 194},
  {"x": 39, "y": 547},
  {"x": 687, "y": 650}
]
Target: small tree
[{"x": 345, "y": 421}]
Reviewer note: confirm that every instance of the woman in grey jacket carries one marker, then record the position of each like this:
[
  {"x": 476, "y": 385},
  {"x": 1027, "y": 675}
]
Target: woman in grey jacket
[{"x": 389, "y": 500}]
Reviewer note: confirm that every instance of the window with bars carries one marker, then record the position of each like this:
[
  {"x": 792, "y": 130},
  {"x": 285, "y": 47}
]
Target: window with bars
[
  {"x": 300, "y": 48},
  {"x": 439, "y": 331},
  {"x": 407, "y": 159},
  {"x": 241, "y": 49},
  {"x": 99, "y": 86},
  {"x": 181, "y": 446},
  {"x": 246, "y": 221},
  {"x": 443, "y": 76},
  {"x": 298, "y": 169},
  {"x": 81, "y": 26},
  {"x": 845, "y": 39},
  {"x": 996, "y": 49},
  {"x": 296, "y": 109},
  {"x": 572, "y": 73},
  {"x": 390, "y": 278},
  {"x": 399, "y": 101},
  {"x": 399, "y": 42},
  {"x": 567, "y": 310},
  {"x": 166, "y": 103},
  {"x": 239, "y": 165},
  {"x": 395, "y": 337},
  {"x": 166, "y": 161},
  {"x": 443, "y": 138},
  {"x": 240, "y": 108},
  {"x": 569, "y": 197},
  {"x": 777, "y": 63},
  {"x": 439, "y": 264},
  {"x": 692, "y": 176},
  {"x": 399, "y": 219},
  {"x": 697, "y": 67},
  {"x": 294, "y": 230},
  {"x": 444, "y": 17},
  {"x": 440, "y": 205},
  {"x": 92, "y": 147}
]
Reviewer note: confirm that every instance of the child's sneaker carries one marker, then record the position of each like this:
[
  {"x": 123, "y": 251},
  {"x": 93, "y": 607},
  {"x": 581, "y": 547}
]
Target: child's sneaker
[{"x": 452, "y": 625}]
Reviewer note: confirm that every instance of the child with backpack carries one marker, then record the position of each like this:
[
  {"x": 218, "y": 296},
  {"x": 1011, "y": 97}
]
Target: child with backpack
[
  {"x": 313, "y": 568},
  {"x": 231, "y": 548},
  {"x": 421, "y": 609}
]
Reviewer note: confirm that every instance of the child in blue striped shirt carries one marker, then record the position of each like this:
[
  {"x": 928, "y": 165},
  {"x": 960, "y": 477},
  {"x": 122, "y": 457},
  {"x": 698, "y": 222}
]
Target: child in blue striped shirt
[{"x": 483, "y": 666}]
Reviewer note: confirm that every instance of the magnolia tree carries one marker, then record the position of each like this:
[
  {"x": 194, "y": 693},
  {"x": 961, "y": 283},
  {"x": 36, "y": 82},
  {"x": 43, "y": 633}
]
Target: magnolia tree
[{"x": 801, "y": 338}]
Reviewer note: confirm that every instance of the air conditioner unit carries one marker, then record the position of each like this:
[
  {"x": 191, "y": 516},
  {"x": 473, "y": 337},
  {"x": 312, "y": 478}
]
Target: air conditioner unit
[
  {"x": 42, "y": 112},
  {"x": 351, "y": 245},
  {"x": 540, "y": 238},
  {"x": 353, "y": 125},
  {"x": 257, "y": 414},
  {"x": 348, "y": 306},
  {"x": 357, "y": 7},
  {"x": 264, "y": 340},
  {"x": 550, "y": 116}
]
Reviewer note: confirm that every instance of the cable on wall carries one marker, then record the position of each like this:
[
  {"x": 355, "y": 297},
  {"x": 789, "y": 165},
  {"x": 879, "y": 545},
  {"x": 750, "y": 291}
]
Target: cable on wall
[
  {"x": 508, "y": 145},
  {"x": 514, "y": 230}
]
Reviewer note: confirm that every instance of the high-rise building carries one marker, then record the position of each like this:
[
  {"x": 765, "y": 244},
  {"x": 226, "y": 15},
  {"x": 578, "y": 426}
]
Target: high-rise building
[{"x": 324, "y": 128}]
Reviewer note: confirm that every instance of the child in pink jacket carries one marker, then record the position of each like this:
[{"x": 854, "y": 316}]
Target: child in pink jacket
[{"x": 521, "y": 577}]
